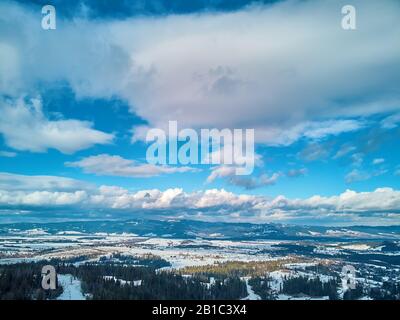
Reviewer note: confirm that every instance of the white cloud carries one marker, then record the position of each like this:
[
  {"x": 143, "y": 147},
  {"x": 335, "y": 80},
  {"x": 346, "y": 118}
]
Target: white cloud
[
  {"x": 315, "y": 131},
  {"x": 391, "y": 122},
  {"x": 357, "y": 175},
  {"x": 139, "y": 133},
  {"x": 294, "y": 173},
  {"x": 111, "y": 165},
  {"x": 344, "y": 150},
  {"x": 119, "y": 198},
  {"x": 221, "y": 172},
  {"x": 25, "y": 127},
  {"x": 10, "y": 181},
  {"x": 361, "y": 175},
  {"x": 378, "y": 161},
  {"x": 175, "y": 198},
  {"x": 42, "y": 191},
  {"x": 314, "y": 152},
  {"x": 357, "y": 159},
  {"x": 42, "y": 198},
  {"x": 8, "y": 154},
  {"x": 247, "y": 182},
  {"x": 287, "y": 78},
  {"x": 215, "y": 197},
  {"x": 382, "y": 199}
]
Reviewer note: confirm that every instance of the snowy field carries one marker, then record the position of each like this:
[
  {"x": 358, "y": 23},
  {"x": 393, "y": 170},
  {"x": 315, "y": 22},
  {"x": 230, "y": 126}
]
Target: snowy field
[
  {"x": 78, "y": 248},
  {"x": 71, "y": 288}
]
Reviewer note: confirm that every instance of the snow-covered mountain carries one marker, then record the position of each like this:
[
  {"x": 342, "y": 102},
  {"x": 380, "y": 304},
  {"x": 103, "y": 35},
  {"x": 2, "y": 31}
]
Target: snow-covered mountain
[{"x": 210, "y": 230}]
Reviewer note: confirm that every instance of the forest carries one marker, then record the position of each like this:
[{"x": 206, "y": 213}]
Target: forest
[
  {"x": 23, "y": 282},
  {"x": 118, "y": 277},
  {"x": 116, "y": 281}
]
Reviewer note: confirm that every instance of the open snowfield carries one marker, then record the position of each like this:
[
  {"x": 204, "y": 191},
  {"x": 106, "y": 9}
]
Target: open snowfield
[
  {"x": 179, "y": 252},
  {"x": 295, "y": 257},
  {"x": 71, "y": 288}
]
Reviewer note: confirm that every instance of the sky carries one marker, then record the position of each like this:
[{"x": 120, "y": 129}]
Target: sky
[{"x": 76, "y": 104}]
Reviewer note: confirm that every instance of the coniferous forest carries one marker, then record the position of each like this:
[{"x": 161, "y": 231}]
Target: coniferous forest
[
  {"x": 117, "y": 282},
  {"x": 144, "y": 278}
]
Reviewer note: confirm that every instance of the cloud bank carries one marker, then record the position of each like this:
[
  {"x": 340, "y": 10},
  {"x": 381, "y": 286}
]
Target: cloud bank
[{"x": 379, "y": 207}]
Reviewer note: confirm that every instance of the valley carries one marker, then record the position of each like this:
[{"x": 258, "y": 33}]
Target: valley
[{"x": 284, "y": 269}]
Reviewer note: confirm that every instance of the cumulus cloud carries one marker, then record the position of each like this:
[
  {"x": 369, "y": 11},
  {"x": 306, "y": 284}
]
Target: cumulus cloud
[
  {"x": 42, "y": 191},
  {"x": 215, "y": 197},
  {"x": 25, "y": 127},
  {"x": 42, "y": 198},
  {"x": 47, "y": 191},
  {"x": 382, "y": 204},
  {"x": 380, "y": 200},
  {"x": 111, "y": 165},
  {"x": 288, "y": 79}
]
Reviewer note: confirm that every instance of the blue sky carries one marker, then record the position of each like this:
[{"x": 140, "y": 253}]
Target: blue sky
[{"x": 324, "y": 104}]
